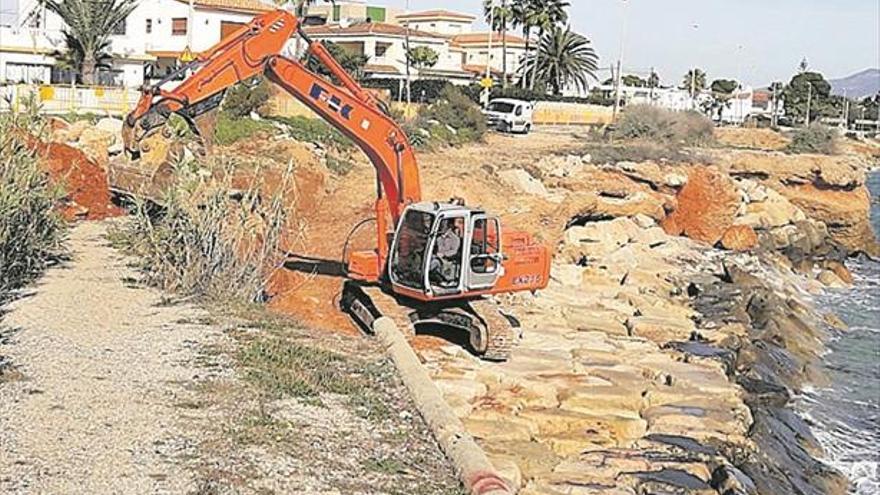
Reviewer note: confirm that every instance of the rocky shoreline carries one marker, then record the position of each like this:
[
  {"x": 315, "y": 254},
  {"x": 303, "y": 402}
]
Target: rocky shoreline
[{"x": 656, "y": 363}]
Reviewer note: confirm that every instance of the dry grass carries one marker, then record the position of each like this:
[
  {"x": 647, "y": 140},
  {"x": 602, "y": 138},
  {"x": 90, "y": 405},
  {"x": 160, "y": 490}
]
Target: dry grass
[
  {"x": 208, "y": 240},
  {"x": 31, "y": 232}
]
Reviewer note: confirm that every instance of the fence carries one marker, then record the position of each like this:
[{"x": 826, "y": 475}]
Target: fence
[
  {"x": 561, "y": 113},
  {"x": 63, "y": 99}
]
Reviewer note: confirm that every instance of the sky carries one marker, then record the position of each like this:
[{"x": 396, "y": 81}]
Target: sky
[{"x": 753, "y": 41}]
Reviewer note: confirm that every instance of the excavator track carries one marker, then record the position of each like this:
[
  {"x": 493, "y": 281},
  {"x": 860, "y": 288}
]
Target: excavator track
[{"x": 492, "y": 336}]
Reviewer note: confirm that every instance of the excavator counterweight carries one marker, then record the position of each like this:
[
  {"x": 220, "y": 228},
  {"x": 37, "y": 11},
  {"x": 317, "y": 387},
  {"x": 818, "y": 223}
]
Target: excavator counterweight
[{"x": 435, "y": 263}]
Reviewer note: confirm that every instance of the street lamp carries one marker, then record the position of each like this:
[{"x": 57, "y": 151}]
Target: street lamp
[
  {"x": 619, "y": 81},
  {"x": 694, "y": 77}
]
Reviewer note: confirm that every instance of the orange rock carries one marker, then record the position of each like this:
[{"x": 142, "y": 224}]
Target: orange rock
[
  {"x": 841, "y": 271},
  {"x": 706, "y": 206},
  {"x": 87, "y": 190},
  {"x": 739, "y": 238}
]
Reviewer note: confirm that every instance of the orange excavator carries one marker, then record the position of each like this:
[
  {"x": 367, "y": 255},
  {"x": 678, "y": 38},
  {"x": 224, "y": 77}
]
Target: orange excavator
[{"x": 434, "y": 262}]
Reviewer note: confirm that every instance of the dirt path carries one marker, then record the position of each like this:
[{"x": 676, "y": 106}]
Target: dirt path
[
  {"x": 113, "y": 388},
  {"x": 101, "y": 365}
]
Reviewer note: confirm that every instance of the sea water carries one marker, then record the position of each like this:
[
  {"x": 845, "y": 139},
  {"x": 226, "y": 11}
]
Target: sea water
[{"x": 846, "y": 415}]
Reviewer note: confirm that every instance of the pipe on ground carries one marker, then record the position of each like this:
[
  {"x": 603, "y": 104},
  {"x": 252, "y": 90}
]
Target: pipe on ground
[{"x": 471, "y": 464}]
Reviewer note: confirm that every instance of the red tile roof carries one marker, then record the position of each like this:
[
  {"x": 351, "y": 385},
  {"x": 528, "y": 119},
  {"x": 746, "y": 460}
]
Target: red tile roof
[
  {"x": 381, "y": 69},
  {"x": 483, "y": 39},
  {"x": 243, "y": 6},
  {"x": 365, "y": 28},
  {"x": 437, "y": 14},
  {"x": 479, "y": 70}
]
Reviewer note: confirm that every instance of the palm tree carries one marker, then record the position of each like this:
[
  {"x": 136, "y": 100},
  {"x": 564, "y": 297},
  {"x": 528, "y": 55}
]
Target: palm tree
[
  {"x": 694, "y": 81},
  {"x": 546, "y": 15},
  {"x": 499, "y": 16},
  {"x": 88, "y": 27},
  {"x": 563, "y": 58}
]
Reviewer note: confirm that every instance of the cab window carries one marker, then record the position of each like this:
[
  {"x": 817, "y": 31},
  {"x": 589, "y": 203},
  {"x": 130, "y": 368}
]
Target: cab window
[{"x": 484, "y": 245}]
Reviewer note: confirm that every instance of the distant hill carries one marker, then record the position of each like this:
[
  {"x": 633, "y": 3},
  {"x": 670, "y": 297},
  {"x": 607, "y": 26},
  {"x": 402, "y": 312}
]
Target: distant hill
[{"x": 858, "y": 85}]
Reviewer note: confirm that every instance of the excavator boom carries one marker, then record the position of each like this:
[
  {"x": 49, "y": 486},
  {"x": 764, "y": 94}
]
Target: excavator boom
[{"x": 409, "y": 269}]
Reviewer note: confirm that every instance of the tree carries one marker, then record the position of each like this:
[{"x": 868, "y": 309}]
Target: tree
[
  {"x": 422, "y": 57},
  {"x": 808, "y": 90},
  {"x": 722, "y": 92},
  {"x": 563, "y": 58},
  {"x": 353, "y": 63},
  {"x": 88, "y": 27},
  {"x": 545, "y": 15},
  {"x": 776, "y": 91},
  {"x": 522, "y": 17},
  {"x": 500, "y": 17},
  {"x": 694, "y": 81},
  {"x": 653, "y": 80},
  {"x": 634, "y": 81}
]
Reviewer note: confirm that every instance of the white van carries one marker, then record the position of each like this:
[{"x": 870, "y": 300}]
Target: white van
[{"x": 509, "y": 115}]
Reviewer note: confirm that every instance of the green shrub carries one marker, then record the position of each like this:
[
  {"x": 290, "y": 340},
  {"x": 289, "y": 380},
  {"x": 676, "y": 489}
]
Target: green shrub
[
  {"x": 31, "y": 232},
  {"x": 659, "y": 125},
  {"x": 204, "y": 242},
  {"x": 246, "y": 97},
  {"x": 455, "y": 118},
  {"x": 231, "y": 129},
  {"x": 814, "y": 139},
  {"x": 315, "y": 131}
]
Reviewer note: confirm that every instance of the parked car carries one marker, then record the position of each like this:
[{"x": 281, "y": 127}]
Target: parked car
[{"x": 509, "y": 115}]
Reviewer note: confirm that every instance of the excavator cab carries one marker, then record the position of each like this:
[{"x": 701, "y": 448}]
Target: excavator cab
[{"x": 445, "y": 250}]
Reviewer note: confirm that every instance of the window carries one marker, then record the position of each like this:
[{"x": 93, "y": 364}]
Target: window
[
  {"x": 178, "y": 26},
  {"x": 408, "y": 261},
  {"x": 149, "y": 26},
  {"x": 27, "y": 73},
  {"x": 376, "y": 14},
  {"x": 119, "y": 28},
  {"x": 336, "y": 12},
  {"x": 229, "y": 27},
  {"x": 382, "y": 48}
]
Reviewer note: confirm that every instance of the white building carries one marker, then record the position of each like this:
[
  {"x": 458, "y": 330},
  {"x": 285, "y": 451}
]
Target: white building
[
  {"x": 463, "y": 55},
  {"x": 147, "y": 45},
  {"x": 443, "y": 22},
  {"x": 384, "y": 46}
]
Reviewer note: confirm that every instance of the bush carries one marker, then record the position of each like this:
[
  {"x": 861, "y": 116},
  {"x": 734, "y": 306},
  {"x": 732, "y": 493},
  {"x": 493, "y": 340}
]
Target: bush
[
  {"x": 246, "y": 97},
  {"x": 814, "y": 139},
  {"x": 31, "y": 232},
  {"x": 658, "y": 125},
  {"x": 205, "y": 243},
  {"x": 456, "y": 113},
  {"x": 314, "y": 131},
  {"x": 232, "y": 129}
]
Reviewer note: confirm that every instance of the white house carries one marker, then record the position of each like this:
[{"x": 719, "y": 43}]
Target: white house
[
  {"x": 148, "y": 44},
  {"x": 445, "y": 22}
]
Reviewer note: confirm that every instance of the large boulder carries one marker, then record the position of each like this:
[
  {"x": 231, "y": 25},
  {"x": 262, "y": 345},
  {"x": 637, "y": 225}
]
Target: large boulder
[
  {"x": 598, "y": 239},
  {"x": 846, "y": 212},
  {"x": 523, "y": 182},
  {"x": 707, "y": 206}
]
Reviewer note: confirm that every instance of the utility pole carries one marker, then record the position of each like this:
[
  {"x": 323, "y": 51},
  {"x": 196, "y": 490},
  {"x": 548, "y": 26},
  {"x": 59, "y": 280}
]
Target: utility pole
[
  {"x": 408, "y": 76},
  {"x": 620, "y": 61},
  {"x": 504, "y": 43},
  {"x": 488, "y": 91}
]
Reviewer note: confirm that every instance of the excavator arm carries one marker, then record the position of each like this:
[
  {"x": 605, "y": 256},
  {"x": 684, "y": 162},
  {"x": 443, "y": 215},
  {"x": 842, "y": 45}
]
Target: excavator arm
[{"x": 254, "y": 50}]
